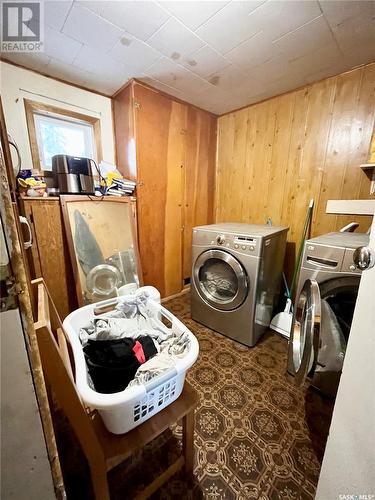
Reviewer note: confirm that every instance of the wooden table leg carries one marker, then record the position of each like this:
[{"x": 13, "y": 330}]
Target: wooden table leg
[{"x": 188, "y": 444}]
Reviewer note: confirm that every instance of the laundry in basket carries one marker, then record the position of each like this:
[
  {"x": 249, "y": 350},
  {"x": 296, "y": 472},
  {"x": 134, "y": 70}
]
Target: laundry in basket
[{"x": 158, "y": 381}]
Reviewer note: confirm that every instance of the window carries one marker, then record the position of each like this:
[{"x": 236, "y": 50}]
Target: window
[
  {"x": 59, "y": 136},
  {"x": 55, "y": 131}
]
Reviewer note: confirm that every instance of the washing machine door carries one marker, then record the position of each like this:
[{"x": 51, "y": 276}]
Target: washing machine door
[
  {"x": 220, "y": 279},
  {"x": 304, "y": 339}
]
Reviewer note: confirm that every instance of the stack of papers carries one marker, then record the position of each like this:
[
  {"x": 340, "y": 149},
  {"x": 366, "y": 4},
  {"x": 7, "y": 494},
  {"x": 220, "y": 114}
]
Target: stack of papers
[
  {"x": 113, "y": 183},
  {"x": 121, "y": 187}
]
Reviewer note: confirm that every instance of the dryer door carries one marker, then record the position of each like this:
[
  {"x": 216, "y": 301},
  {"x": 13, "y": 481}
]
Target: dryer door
[
  {"x": 304, "y": 339},
  {"x": 220, "y": 279}
]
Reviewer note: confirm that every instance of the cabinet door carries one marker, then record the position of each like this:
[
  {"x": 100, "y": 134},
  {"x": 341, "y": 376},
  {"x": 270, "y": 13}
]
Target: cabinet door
[
  {"x": 50, "y": 253},
  {"x": 199, "y": 175},
  {"x": 160, "y": 132}
]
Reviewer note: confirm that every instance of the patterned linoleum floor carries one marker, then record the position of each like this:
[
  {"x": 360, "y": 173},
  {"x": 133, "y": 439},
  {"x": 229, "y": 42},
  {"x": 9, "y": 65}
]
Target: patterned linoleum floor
[{"x": 257, "y": 436}]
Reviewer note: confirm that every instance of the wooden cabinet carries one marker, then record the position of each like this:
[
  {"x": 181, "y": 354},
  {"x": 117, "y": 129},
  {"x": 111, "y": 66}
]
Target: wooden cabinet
[
  {"x": 169, "y": 147},
  {"x": 49, "y": 254}
]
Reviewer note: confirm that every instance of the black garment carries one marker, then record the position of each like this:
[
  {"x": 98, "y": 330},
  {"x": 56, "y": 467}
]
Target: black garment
[
  {"x": 148, "y": 345},
  {"x": 112, "y": 364}
]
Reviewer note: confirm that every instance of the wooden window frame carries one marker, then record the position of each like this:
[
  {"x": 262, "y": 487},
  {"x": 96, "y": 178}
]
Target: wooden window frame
[{"x": 33, "y": 107}]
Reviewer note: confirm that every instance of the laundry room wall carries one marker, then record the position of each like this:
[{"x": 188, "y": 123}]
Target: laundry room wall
[
  {"x": 18, "y": 84},
  {"x": 274, "y": 156}
]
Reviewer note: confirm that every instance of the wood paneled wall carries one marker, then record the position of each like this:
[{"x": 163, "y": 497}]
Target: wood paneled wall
[
  {"x": 273, "y": 157},
  {"x": 124, "y": 132},
  {"x": 175, "y": 145}
]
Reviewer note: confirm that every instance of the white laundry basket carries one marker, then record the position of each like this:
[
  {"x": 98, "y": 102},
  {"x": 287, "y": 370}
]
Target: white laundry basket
[{"x": 122, "y": 411}]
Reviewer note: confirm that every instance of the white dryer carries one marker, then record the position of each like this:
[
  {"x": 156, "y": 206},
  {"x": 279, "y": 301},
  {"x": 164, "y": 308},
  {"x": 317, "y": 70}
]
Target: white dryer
[
  {"x": 326, "y": 294},
  {"x": 236, "y": 275}
]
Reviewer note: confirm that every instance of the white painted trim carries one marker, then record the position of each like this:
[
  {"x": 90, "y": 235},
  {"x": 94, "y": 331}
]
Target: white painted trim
[{"x": 348, "y": 469}]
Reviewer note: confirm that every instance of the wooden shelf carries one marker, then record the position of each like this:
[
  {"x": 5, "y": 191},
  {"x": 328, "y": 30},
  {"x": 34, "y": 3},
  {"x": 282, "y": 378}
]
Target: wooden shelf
[
  {"x": 367, "y": 166},
  {"x": 351, "y": 207}
]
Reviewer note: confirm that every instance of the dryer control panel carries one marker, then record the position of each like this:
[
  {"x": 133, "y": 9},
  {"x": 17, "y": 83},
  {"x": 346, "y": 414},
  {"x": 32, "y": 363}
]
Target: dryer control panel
[
  {"x": 246, "y": 243},
  {"x": 240, "y": 243}
]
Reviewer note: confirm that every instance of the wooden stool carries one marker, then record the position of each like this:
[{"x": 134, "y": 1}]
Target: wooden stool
[{"x": 104, "y": 450}]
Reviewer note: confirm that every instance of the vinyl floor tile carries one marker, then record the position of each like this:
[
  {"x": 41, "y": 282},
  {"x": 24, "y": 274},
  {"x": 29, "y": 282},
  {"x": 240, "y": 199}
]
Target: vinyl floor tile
[{"x": 257, "y": 435}]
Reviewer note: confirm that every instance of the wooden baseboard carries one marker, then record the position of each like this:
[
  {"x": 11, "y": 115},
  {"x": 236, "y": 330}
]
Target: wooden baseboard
[{"x": 186, "y": 289}]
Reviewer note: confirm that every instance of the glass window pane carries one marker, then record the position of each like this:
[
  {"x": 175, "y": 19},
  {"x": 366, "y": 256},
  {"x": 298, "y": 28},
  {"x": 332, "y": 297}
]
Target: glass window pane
[{"x": 58, "y": 136}]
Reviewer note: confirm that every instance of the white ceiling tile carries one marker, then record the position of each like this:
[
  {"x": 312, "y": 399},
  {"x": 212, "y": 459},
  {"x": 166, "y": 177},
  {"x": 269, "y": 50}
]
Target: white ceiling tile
[
  {"x": 305, "y": 39},
  {"x": 193, "y": 13},
  {"x": 338, "y": 12},
  {"x": 105, "y": 84},
  {"x": 60, "y": 46},
  {"x": 164, "y": 71},
  {"x": 321, "y": 59},
  {"x": 211, "y": 102},
  {"x": 100, "y": 63},
  {"x": 67, "y": 72},
  {"x": 174, "y": 75},
  {"x": 163, "y": 87},
  {"x": 205, "y": 61},
  {"x": 315, "y": 76},
  {"x": 231, "y": 77},
  {"x": 55, "y": 13},
  {"x": 37, "y": 61},
  {"x": 257, "y": 50},
  {"x": 356, "y": 40},
  {"x": 271, "y": 70},
  {"x": 96, "y": 6},
  {"x": 360, "y": 54},
  {"x": 139, "y": 18},
  {"x": 290, "y": 82},
  {"x": 134, "y": 53},
  {"x": 87, "y": 27},
  {"x": 174, "y": 40},
  {"x": 224, "y": 104},
  {"x": 245, "y": 92},
  {"x": 239, "y": 21},
  {"x": 109, "y": 87},
  {"x": 276, "y": 18},
  {"x": 230, "y": 26},
  {"x": 213, "y": 99}
]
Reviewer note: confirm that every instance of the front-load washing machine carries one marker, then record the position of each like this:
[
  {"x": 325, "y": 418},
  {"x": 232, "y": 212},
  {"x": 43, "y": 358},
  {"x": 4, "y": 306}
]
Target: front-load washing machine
[
  {"x": 236, "y": 275},
  {"x": 326, "y": 294}
]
